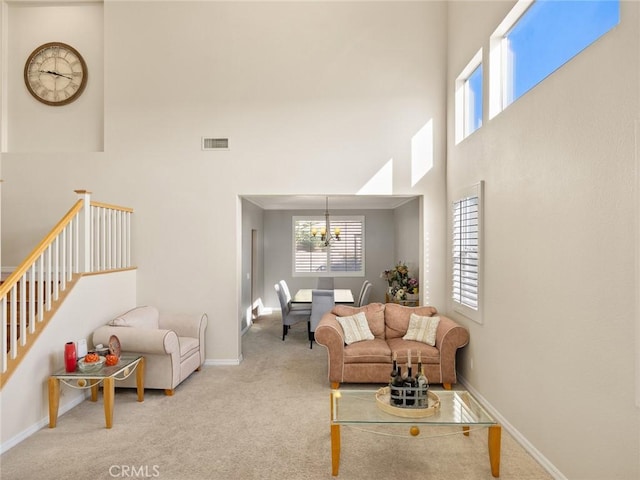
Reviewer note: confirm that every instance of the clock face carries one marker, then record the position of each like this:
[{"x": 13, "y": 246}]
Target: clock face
[{"x": 55, "y": 74}]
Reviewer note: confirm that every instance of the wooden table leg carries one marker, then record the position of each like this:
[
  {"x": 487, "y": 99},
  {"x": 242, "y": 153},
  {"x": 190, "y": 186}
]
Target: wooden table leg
[
  {"x": 140, "y": 380},
  {"x": 94, "y": 390},
  {"x": 335, "y": 438},
  {"x": 108, "y": 393},
  {"x": 495, "y": 434},
  {"x": 54, "y": 401},
  {"x": 465, "y": 430},
  {"x": 335, "y": 449}
]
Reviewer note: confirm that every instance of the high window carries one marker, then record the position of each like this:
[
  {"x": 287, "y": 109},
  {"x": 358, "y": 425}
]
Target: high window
[
  {"x": 536, "y": 38},
  {"x": 466, "y": 255},
  {"x": 469, "y": 98},
  {"x": 344, "y": 257}
]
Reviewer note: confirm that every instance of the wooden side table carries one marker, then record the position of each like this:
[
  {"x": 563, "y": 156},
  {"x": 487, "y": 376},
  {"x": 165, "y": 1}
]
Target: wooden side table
[{"x": 106, "y": 375}]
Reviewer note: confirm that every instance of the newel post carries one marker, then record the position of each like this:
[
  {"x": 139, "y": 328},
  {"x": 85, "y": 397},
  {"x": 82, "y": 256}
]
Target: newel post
[{"x": 84, "y": 232}]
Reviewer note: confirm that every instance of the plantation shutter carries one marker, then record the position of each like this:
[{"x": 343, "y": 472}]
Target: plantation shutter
[
  {"x": 466, "y": 242},
  {"x": 346, "y": 255},
  {"x": 311, "y": 256}
]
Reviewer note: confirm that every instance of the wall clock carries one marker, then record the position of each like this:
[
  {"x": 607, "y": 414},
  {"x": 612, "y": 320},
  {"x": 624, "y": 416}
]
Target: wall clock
[{"x": 55, "y": 74}]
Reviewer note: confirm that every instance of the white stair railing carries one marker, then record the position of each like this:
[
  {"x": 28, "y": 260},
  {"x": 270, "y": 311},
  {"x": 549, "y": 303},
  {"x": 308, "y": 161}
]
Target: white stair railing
[{"x": 91, "y": 237}]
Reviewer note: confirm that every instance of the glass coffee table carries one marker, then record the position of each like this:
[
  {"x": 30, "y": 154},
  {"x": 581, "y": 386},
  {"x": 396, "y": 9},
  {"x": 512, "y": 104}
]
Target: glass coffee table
[
  {"x": 106, "y": 376},
  {"x": 456, "y": 408}
]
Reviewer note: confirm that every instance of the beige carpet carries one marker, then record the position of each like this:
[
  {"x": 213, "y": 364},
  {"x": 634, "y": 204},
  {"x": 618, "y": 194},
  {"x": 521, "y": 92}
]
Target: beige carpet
[{"x": 265, "y": 419}]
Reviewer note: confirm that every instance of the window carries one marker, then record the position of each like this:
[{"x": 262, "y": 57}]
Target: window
[
  {"x": 344, "y": 257},
  {"x": 469, "y": 98},
  {"x": 466, "y": 270},
  {"x": 536, "y": 38}
]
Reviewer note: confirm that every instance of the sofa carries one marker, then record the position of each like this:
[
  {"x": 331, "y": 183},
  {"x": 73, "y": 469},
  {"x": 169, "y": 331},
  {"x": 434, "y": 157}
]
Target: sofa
[
  {"x": 370, "y": 360},
  {"x": 173, "y": 345}
]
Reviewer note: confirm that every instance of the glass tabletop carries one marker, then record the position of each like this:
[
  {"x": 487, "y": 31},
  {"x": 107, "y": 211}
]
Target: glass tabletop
[
  {"x": 457, "y": 407},
  {"x": 125, "y": 361}
]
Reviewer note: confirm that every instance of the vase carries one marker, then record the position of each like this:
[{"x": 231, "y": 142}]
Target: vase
[{"x": 70, "y": 357}]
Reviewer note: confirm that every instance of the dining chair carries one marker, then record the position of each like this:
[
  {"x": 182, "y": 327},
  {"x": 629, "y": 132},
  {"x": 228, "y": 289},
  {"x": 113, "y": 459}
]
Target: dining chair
[
  {"x": 325, "y": 283},
  {"x": 289, "y": 317},
  {"x": 358, "y": 301},
  {"x": 294, "y": 306},
  {"x": 364, "y": 298},
  {"x": 322, "y": 301}
]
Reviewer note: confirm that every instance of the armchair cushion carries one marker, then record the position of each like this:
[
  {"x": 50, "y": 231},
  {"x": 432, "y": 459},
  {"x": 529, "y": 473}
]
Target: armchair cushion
[
  {"x": 139, "y": 317},
  {"x": 139, "y": 340}
]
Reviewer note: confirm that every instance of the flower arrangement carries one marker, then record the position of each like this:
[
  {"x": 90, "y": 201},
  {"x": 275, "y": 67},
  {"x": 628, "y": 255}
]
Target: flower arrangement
[{"x": 400, "y": 283}]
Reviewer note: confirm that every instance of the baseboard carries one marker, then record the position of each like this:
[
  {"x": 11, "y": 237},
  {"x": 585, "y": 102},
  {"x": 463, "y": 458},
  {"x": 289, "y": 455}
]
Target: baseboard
[
  {"x": 12, "y": 442},
  {"x": 521, "y": 439},
  {"x": 222, "y": 362}
]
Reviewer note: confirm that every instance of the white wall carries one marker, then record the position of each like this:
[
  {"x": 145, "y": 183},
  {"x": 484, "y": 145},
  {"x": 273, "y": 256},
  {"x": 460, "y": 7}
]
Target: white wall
[
  {"x": 33, "y": 126},
  {"x": 316, "y": 98},
  {"x": 92, "y": 302},
  {"x": 555, "y": 355}
]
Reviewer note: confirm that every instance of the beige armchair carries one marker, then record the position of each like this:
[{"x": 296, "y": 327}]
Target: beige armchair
[{"x": 173, "y": 345}]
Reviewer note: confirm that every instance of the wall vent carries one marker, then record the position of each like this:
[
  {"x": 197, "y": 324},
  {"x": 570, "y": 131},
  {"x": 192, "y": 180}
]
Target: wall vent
[{"x": 211, "y": 143}]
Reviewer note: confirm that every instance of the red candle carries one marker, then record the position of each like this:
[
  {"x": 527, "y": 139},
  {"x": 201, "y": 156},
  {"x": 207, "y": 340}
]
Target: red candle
[{"x": 70, "y": 357}]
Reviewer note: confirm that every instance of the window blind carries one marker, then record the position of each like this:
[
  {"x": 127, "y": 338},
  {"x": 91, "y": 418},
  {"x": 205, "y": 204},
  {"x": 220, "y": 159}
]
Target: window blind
[{"x": 466, "y": 255}]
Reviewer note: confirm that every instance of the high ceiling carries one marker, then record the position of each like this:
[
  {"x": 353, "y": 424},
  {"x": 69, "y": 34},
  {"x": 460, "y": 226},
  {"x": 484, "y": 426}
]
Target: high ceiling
[{"x": 336, "y": 202}]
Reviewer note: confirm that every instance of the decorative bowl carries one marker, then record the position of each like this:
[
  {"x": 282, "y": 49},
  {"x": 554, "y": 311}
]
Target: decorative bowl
[{"x": 92, "y": 367}]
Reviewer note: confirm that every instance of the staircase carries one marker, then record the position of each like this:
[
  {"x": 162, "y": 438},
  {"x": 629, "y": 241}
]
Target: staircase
[
  {"x": 92, "y": 237},
  {"x": 32, "y": 301}
]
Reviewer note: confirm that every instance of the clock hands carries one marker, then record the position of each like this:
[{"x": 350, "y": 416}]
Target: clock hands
[{"x": 56, "y": 74}]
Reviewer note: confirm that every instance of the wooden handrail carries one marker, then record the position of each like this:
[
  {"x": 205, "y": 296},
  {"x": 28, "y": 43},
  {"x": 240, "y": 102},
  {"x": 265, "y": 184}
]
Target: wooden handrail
[
  {"x": 39, "y": 249},
  {"x": 111, "y": 207},
  {"x": 99, "y": 242}
]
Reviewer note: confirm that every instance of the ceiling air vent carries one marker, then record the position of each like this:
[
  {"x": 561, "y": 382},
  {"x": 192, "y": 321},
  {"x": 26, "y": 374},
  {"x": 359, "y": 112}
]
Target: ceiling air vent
[{"x": 210, "y": 143}]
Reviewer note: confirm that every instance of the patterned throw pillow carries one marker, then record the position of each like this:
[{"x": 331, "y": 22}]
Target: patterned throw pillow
[
  {"x": 355, "y": 328},
  {"x": 422, "y": 329}
]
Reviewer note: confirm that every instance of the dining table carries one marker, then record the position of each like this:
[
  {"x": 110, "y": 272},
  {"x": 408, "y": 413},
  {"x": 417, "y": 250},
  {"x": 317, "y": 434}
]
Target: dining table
[{"x": 341, "y": 295}]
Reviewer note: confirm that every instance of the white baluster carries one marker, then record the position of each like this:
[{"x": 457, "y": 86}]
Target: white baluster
[
  {"x": 41, "y": 288},
  {"x": 13, "y": 322},
  {"x": 32, "y": 299},
  {"x": 3, "y": 354},
  {"x": 56, "y": 268},
  {"x": 22, "y": 316}
]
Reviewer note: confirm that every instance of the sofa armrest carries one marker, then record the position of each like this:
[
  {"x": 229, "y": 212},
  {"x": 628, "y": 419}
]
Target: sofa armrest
[
  {"x": 184, "y": 324},
  {"x": 139, "y": 340},
  {"x": 330, "y": 335},
  {"x": 450, "y": 336}
]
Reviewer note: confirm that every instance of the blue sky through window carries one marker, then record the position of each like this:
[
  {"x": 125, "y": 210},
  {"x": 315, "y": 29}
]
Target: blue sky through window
[
  {"x": 474, "y": 92},
  {"x": 550, "y": 33}
]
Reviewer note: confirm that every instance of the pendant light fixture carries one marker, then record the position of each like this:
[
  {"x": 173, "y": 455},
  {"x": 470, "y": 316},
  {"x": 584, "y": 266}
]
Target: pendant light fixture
[{"x": 325, "y": 233}]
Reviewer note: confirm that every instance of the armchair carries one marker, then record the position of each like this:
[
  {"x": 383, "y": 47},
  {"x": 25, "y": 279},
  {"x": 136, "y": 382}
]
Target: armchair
[{"x": 173, "y": 345}]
